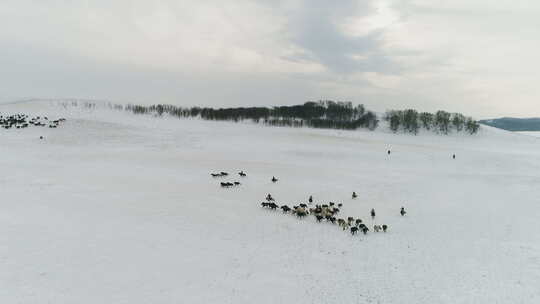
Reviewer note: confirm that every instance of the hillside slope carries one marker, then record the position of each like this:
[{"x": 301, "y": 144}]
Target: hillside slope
[
  {"x": 119, "y": 208},
  {"x": 514, "y": 124}
]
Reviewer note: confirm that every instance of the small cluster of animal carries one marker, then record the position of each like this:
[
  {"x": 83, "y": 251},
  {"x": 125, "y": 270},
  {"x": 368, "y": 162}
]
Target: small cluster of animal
[
  {"x": 327, "y": 212},
  {"x": 21, "y": 121},
  {"x": 228, "y": 184}
]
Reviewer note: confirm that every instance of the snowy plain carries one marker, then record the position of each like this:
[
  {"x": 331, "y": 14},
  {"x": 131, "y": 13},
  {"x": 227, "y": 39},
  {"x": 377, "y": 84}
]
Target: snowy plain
[{"x": 113, "y": 207}]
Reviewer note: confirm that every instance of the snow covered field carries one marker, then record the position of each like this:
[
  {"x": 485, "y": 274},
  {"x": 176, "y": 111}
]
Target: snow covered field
[{"x": 117, "y": 208}]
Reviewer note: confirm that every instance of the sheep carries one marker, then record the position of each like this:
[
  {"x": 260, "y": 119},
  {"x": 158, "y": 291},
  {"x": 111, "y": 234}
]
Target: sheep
[
  {"x": 237, "y": 183},
  {"x": 274, "y": 179},
  {"x": 384, "y": 227},
  {"x": 377, "y": 228},
  {"x": 285, "y": 208},
  {"x": 358, "y": 222},
  {"x": 350, "y": 220},
  {"x": 354, "y": 230},
  {"x": 319, "y": 217},
  {"x": 242, "y": 174}
]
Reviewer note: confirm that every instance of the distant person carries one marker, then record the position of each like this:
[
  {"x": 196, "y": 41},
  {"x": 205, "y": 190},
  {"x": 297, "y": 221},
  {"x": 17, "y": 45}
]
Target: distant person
[
  {"x": 354, "y": 195},
  {"x": 453, "y": 156},
  {"x": 389, "y": 152},
  {"x": 310, "y": 199},
  {"x": 402, "y": 211},
  {"x": 372, "y": 214}
]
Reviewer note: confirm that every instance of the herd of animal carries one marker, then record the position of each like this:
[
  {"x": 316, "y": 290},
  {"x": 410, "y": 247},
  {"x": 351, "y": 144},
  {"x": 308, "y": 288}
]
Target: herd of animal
[
  {"x": 321, "y": 212},
  {"x": 228, "y": 184},
  {"x": 21, "y": 121},
  {"x": 328, "y": 212}
]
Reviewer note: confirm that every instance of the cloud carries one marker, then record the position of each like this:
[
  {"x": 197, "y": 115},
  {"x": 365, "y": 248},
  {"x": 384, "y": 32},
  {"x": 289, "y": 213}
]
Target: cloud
[{"x": 477, "y": 57}]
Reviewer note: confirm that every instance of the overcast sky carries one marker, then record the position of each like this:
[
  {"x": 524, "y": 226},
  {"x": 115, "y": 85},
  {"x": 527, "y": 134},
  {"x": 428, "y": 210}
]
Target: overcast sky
[{"x": 479, "y": 57}]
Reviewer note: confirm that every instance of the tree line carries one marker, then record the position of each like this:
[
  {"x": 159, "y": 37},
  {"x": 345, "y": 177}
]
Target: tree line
[
  {"x": 325, "y": 114},
  {"x": 320, "y": 114},
  {"x": 411, "y": 121}
]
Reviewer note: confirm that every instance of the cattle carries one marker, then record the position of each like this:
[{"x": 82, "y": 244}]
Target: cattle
[
  {"x": 270, "y": 205},
  {"x": 22, "y": 121},
  {"x": 226, "y": 184},
  {"x": 300, "y": 212},
  {"x": 365, "y": 230}
]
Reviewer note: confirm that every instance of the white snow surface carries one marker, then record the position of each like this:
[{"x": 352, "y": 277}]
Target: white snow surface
[{"x": 113, "y": 207}]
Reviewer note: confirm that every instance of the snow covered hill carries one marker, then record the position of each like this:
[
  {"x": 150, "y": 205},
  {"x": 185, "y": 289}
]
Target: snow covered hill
[{"x": 113, "y": 207}]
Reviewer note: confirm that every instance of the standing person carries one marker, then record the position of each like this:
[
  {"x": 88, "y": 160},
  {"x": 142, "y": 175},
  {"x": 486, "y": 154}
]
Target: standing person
[
  {"x": 310, "y": 199},
  {"x": 354, "y": 195},
  {"x": 372, "y": 214},
  {"x": 402, "y": 211},
  {"x": 453, "y": 156}
]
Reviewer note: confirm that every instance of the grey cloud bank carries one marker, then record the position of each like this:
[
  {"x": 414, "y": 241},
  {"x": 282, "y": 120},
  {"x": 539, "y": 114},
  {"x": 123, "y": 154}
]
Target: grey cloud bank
[{"x": 474, "y": 57}]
